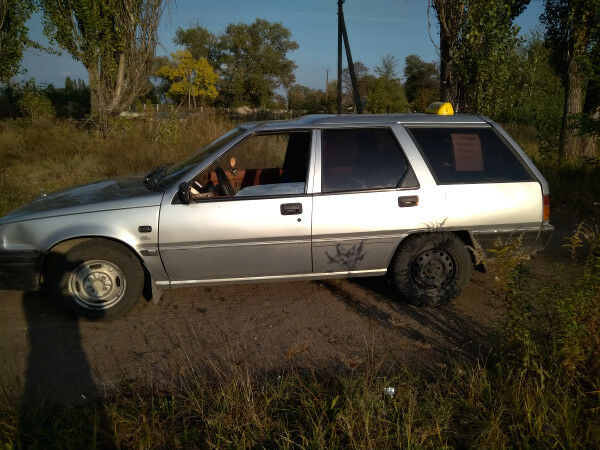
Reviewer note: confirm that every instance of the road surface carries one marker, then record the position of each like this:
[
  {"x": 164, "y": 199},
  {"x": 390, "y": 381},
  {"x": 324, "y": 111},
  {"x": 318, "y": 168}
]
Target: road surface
[{"x": 260, "y": 327}]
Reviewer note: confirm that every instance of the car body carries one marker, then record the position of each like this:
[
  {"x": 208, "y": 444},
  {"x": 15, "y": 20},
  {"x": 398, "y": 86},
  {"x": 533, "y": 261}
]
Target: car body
[{"x": 340, "y": 221}]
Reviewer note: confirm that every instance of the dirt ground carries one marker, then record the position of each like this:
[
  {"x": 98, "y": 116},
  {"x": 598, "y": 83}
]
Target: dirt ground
[{"x": 265, "y": 327}]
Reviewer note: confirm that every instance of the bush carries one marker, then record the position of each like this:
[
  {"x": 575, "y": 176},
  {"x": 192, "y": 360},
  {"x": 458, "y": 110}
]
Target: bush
[{"x": 36, "y": 106}]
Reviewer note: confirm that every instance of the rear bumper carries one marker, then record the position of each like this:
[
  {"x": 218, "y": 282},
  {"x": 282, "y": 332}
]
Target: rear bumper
[
  {"x": 20, "y": 270},
  {"x": 531, "y": 239}
]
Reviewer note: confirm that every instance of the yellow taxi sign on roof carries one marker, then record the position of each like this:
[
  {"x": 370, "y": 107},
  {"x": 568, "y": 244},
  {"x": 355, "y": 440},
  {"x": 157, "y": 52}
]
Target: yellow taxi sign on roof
[{"x": 440, "y": 108}]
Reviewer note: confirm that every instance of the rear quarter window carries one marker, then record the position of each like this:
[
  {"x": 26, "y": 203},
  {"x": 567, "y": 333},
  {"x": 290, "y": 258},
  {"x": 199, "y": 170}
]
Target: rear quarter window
[{"x": 468, "y": 155}]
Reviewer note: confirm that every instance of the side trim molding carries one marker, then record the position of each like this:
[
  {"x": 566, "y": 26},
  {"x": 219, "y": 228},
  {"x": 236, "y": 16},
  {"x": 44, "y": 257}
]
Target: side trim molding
[{"x": 303, "y": 276}]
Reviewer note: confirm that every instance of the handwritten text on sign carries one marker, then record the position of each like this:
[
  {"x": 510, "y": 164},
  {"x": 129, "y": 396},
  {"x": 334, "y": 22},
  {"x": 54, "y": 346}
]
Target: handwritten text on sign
[{"x": 467, "y": 152}]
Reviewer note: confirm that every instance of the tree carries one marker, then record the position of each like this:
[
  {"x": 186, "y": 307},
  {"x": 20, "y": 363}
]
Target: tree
[
  {"x": 190, "y": 77},
  {"x": 13, "y": 35},
  {"x": 451, "y": 16},
  {"x": 387, "y": 69},
  {"x": 570, "y": 26},
  {"x": 251, "y": 59},
  {"x": 464, "y": 22},
  {"x": 114, "y": 40},
  {"x": 386, "y": 93},
  {"x": 421, "y": 82},
  {"x": 361, "y": 71},
  {"x": 303, "y": 98},
  {"x": 200, "y": 42}
]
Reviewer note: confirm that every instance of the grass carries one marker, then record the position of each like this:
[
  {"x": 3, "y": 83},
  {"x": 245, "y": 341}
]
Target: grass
[
  {"x": 50, "y": 155},
  {"x": 469, "y": 405},
  {"x": 539, "y": 388},
  {"x": 575, "y": 184},
  {"x": 55, "y": 154}
]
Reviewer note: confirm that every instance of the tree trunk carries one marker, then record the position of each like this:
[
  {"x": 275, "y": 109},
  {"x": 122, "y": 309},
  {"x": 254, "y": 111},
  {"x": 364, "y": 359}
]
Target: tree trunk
[
  {"x": 115, "y": 104},
  {"x": 573, "y": 144},
  {"x": 94, "y": 91},
  {"x": 445, "y": 78}
]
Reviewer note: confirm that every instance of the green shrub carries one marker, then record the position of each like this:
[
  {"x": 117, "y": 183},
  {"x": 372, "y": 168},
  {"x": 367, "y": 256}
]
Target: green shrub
[{"x": 36, "y": 106}]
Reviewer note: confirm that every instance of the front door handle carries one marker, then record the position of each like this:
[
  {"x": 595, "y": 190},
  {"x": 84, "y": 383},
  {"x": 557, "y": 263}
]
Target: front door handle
[
  {"x": 289, "y": 209},
  {"x": 408, "y": 200}
]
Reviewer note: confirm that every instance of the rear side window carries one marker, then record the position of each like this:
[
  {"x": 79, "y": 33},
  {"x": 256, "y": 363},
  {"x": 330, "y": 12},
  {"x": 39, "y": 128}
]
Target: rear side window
[
  {"x": 360, "y": 159},
  {"x": 468, "y": 155}
]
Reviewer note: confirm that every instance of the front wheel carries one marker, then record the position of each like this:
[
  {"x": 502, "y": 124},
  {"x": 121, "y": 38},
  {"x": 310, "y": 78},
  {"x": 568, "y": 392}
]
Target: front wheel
[
  {"x": 431, "y": 269},
  {"x": 97, "y": 279}
]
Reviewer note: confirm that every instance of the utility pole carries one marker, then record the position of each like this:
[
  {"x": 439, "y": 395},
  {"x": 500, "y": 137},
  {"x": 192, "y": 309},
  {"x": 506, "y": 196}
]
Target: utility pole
[
  {"x": 326, "y": 81},
  {"x": 339, "y": 56},
  {"x": 343, "y": 34}
]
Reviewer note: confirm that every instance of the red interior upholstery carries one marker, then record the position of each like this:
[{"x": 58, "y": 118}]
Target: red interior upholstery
[{"x": 250, "y": 177}]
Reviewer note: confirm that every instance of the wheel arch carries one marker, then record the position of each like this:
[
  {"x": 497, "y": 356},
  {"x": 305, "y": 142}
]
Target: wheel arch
[
  {"x": 464, "y": 235},
  {"x": 63, "y": 246}
]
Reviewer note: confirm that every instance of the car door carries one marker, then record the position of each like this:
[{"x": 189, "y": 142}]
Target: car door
[
  {"x": 263, "y": 231},
  {"x": 368, "y": 198}
]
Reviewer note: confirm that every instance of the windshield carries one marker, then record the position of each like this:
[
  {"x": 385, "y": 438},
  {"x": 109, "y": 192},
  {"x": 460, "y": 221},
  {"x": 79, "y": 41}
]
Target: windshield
[{"x": 173, "y": 172}]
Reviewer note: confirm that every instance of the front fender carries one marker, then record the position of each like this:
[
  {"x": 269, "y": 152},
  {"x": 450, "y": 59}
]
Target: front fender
[{"x": 121, "y": 225}]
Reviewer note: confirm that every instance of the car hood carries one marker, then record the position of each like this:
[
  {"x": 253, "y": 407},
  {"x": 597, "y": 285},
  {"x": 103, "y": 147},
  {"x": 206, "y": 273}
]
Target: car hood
[{"x": 115, "y": 193}]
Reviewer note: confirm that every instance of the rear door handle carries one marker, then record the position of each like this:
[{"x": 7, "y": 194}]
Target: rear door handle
[
  {"x": 408, "y": 200},
  {"x": 289, "y": 209}
]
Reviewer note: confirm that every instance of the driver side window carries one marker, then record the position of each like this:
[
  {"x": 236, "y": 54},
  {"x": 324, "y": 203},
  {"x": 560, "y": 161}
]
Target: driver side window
[{"x": 262, "y": 165}]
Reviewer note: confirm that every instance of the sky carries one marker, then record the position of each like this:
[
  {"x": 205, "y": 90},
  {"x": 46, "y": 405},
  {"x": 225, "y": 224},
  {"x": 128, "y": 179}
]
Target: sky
[{"x": 375, "y": 28}]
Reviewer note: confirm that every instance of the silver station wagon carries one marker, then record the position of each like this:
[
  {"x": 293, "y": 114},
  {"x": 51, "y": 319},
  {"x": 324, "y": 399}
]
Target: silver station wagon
[{"x": 417, "y": 197}]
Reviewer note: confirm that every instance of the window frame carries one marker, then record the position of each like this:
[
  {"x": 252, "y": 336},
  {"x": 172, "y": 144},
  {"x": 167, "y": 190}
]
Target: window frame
[
  {"x": 521, "y": 161},
  {"x": 250, "y": 135},
  {"x": 319, "y": 157}
]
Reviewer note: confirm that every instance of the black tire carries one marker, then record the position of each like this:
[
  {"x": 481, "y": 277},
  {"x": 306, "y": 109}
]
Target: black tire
[
  {"x": 105, "y": 268},
  {"x": 431, "y": 269}
]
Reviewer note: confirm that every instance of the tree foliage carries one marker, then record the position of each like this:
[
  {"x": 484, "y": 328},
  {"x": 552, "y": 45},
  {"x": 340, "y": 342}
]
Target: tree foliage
[
  {"x": 473, "y": 35},
  {"x": 361, "y": 71},
  {"x": 115, "y": 41},
  {"x": 421, "y": 82},
  {"x": 571, "y": 32},
  {"x": 251, "y": 59},
  {"x": 13, "y": 35},
  {"x": 386, "y": 93},
  {"x": 200, "y": 42},
  {"x": 34, "y": 105},
  {"x": 194, "y": 78}
]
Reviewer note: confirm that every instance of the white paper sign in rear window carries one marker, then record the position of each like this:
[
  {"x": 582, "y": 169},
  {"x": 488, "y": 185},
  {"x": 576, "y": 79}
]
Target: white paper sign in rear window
[{"x": 467, "y": 152}]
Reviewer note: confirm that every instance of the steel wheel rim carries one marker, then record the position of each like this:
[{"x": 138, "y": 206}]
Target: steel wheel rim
[
  {"x": 433, "y": 269},
  {"x": 97, "y": 284}
]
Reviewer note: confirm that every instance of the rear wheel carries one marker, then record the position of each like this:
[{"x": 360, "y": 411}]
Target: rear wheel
[
  {"x": 431, "y": 269},
  {"x": 97, "y": 279}
]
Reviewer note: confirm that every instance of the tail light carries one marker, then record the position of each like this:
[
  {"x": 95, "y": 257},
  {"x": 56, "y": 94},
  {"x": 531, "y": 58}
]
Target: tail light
[{"x": 546, "y": 208}]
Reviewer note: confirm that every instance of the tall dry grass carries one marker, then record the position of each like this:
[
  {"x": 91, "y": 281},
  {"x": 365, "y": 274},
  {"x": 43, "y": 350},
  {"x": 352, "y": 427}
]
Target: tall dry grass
[
  {"x": 52, "y": 155},
  {"x": 575, "y": 184}
]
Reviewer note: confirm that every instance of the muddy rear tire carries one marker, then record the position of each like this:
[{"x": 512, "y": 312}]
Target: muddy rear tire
[{"x": 431, "y": 269}]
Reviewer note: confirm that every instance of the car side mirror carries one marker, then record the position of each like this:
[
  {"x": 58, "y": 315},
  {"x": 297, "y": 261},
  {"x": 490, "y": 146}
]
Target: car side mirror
[{"x": 185, "y": 194}]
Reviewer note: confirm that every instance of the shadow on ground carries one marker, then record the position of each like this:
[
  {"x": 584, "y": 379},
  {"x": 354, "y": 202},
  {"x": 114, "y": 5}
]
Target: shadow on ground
[
  {"x": 376, "y": 300},
  {"x": 57, "y": 370}
]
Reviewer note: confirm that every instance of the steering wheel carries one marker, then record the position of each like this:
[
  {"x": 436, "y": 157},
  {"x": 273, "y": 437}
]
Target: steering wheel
[{"x": 224, "y": 182}]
